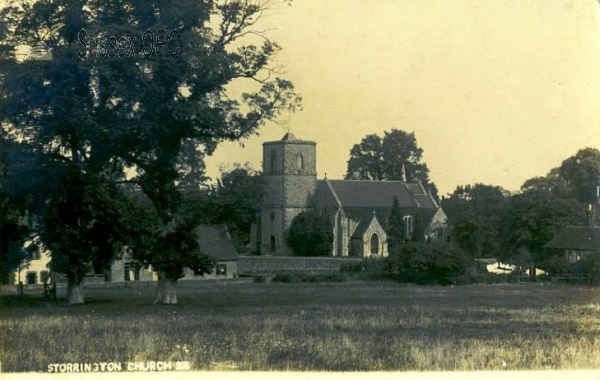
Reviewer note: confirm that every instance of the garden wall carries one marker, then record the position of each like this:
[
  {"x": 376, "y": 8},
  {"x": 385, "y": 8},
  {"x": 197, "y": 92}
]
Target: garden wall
[{"x": 274, "y": 264}]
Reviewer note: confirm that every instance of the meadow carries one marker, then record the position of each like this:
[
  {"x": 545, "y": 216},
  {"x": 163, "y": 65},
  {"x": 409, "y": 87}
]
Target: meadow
[{"x": 351, "y": 326}]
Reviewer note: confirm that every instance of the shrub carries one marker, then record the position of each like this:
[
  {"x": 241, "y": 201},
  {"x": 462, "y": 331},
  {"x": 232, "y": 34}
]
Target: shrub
[
  {"x": 351, "y": 267},
  {"x": 431, "y": 263},
  {"x": 310, "y": 235},
  {"x": 289, "y": 278}
]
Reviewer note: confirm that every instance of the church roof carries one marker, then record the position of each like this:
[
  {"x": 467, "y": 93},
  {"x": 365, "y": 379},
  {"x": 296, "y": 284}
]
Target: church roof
[
  {"x": 577, "y": 238},
  {"x": 289, "y": 137},
  {"x": 380, "y": 194},
  {"x": 364, "y": 225}
]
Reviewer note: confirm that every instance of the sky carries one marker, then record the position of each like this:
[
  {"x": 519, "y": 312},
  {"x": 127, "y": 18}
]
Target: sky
[{"x": 496, "y": 91}]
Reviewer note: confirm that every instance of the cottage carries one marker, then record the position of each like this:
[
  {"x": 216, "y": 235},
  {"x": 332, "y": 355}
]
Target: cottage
[
  {"x": 216, "y": 242},
  {"x": 577, "y": 242}
]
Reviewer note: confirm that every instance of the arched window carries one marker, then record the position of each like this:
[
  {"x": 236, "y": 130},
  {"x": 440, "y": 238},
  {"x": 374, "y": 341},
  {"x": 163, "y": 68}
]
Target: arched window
[
  {"x": 374, "y": 244},
  {"x": 408, "y": 224},
  {"x": 272, "y": 216},
  {"x": 273, "y": 161},
  {"x": 272, "y": 244},
  {"x": 300, "y": 162}
]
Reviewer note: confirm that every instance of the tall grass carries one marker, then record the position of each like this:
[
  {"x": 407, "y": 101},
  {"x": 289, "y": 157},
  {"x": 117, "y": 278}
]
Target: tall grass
[{"x": 359, "y": 326}]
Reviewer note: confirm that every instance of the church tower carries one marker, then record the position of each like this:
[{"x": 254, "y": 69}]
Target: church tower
[{"x": 289, "y": 169}]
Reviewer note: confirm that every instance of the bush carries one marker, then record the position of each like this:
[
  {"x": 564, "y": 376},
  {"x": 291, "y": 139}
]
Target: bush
[
  {"x": 351, "y": 268},
  {"x": 376, "y": 269},
  {"x": 289, "y": 278},
  {"x": 310, "y": 235},
  {"x": 431, "y": 263}
]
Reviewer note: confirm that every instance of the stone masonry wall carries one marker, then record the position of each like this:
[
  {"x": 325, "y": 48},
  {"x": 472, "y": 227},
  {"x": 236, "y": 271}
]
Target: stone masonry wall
[{"x": 273, "y": 264}]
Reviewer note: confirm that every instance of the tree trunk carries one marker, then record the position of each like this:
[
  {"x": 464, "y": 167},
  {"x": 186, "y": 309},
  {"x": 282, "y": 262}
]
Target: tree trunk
[
  {"x": 166, "y": 291},
  {"x": 532, "y": 270},
  {"x": 75, "y": 292}
]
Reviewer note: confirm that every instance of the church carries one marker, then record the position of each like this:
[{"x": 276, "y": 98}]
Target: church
[{"x": 357, "y": 210}]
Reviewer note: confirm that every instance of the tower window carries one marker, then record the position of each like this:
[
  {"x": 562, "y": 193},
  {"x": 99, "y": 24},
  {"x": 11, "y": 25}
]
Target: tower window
[
  {"x": 272, "y": 217},
  {"x": 300, "y": 162},
  {"x": 272, "y": 244}
]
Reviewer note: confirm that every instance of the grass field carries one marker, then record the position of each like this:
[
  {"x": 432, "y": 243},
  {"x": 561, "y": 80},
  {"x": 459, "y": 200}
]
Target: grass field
[{"x": 354, "y": 326}]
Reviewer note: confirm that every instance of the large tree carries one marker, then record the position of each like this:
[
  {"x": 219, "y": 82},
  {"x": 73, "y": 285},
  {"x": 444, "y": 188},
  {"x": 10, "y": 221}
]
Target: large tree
[
  {"x": 310, "y": 235},
  {"x": 384, "y": 158},
  {"x": 582, "y": 172},
  {"x": 531, "y": 219},
  {"x": 475, "y": 211},
  {"x": 14, "y": 227},
  {"x": 98, "y": 114},
  {"x": 239, "y": 193}
]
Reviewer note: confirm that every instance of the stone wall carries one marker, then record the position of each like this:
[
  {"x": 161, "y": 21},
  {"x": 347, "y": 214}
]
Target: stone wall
[{"x": 274, "y": 264}]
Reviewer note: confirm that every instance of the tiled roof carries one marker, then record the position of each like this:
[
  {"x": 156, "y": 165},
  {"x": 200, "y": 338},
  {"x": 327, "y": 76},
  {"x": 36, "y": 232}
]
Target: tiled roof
[
  {"x": 216, "y": 243},
  {"x": 363, "y": 225},
  {"x": 577, "y": 238},
  {"x": 380, "y": 194}
]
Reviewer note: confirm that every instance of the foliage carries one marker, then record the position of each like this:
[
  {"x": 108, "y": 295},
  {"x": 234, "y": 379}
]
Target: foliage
[
  {"x": 531, "y": 220},
  {"x": 84, "y": 223},
  {"x": 310, "y": 235},
  {"x": 353, "y": 268},
  {"x": 582, "y": 172},
  {"x": 298, "y": 277},
  {"x": 157, "y": 116},
  {"x": 396, "y": 229},
  {"x": 380, "y": 159},
  {"x": 12, "y": 230},
  {"x": 474, "y": 212},
  {"x": 238, "y": 196},
  {"x": 428, "y": 263}
]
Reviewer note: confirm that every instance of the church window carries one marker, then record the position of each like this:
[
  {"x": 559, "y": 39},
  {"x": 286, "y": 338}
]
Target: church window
[
  {"x": 300, "y": 162},
  {"x": 408, "y": 223},
  {"x": 272, "y": 217},
  {"x": 272, "y": 244},
  {"x": 374, "y": 244},
  {"x": 273, "y": 162}
]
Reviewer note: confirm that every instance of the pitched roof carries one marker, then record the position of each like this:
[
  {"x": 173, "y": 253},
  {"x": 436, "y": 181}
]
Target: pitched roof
[
  {"x": 364, "y": 224},
  {"x": 289, "y": 137},
  {"x": 380, "y": 194},
  {"x": 577, "y": 238},
  {"x": 215, "y": 242}
]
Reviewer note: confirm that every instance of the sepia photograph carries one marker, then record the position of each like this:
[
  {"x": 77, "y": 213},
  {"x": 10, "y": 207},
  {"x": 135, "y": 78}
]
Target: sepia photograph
[{"x": 258, "y": 188}]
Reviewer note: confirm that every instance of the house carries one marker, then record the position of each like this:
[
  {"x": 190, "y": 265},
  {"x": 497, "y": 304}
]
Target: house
[
  {"x": 214, "y": 241},
  {"x": 34, "y": 271},
  {"x": 357, "y": 210},
  {"x": 577, "y": 242}
]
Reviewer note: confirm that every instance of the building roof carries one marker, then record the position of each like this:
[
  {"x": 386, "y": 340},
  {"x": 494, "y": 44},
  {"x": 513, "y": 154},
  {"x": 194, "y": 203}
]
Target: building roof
[
  {"x": 577, "y": 238},
  {"x": 380, "y": 194},
  {"x": 215, "y": 242},
  {"x": 364, "y": 224}
]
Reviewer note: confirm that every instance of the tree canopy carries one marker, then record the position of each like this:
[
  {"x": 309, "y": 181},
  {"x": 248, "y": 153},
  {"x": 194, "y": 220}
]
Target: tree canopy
[
  {"x": 384, "y": 158},
  {"x": 474, "y": 212},
  {"x": 310, "y": 235},
  {"x": 92, "y": 115}
]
